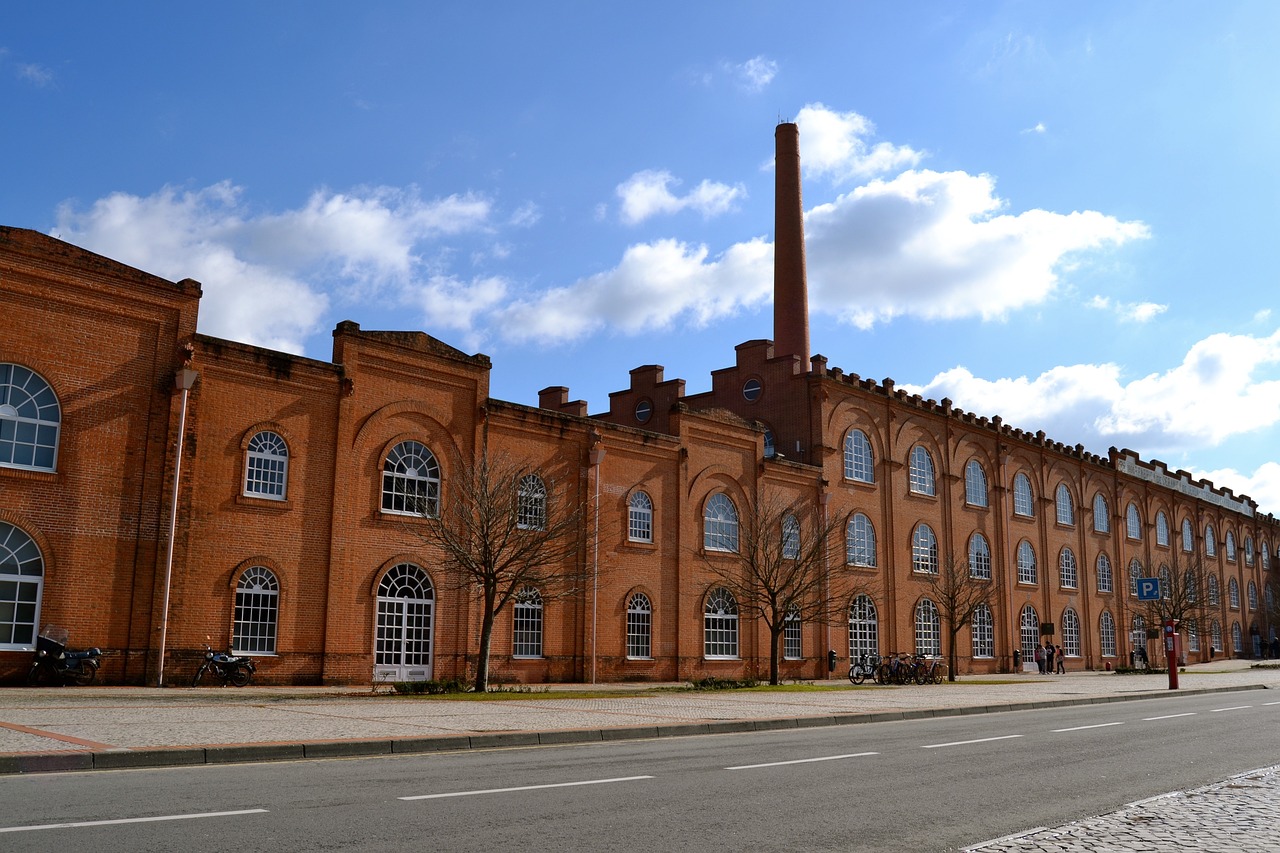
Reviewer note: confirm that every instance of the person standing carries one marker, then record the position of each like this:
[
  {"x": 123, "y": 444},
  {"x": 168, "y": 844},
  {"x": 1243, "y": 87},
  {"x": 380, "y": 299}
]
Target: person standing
[
  {"x": 1040, "y": 658},
  {"x": 1057, "y": 653},
  {"x": 1048, "y": 657}
]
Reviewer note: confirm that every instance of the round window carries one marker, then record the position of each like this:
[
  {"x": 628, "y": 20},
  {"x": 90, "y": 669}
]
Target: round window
[
  {"x": 643, "y": 410},
  {"x": 751, "y": 390}
]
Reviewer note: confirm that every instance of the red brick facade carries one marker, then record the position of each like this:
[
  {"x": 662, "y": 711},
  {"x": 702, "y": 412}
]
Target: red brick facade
[{"x": 108, "y": 340}]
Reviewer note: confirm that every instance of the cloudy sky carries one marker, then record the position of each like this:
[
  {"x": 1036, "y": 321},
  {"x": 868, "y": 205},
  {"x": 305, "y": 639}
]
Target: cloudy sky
[{"x": 1055, "y": 212}]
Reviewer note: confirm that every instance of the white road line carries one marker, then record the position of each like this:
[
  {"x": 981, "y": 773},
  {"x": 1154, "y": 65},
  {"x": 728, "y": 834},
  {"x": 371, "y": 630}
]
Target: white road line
[
  {"x": 1169, "y": 716},
  {"x": 524, "y": 788},
  {"x": 1271, "y": 703},
  {"x": 1233, "y": 708},
  {"x": 966, "y": 742},
  {"x": 802, "y": 761},
  {"x": 128, "y": 820},
  {"x": 1081, "y": 728}
]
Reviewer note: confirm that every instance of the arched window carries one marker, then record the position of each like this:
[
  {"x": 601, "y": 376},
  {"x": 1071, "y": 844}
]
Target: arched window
[
  {"x": 1135, "y": 572},
  {"x": 532, "y": 512},
  {"x": 979, "y": 557},
  {"x": 411, "y": 481},
  {"x": 640, "y": 517},
  {"x": 791, "y": 634},
  {"x": 1107, "y": 634},
  {"x": 1215, "y": 597},
  {"x": 1210, "y": 541},
  {"x": 1026, "y": 562},
  {"x": 720, "y": 524},
  {"x": 1188, "y": 537},
  {"x": 1237, "y": 638},
  {"x": 1023, "y": 500},
  {"x": 1248, "y": 550},
  {"x": 864, "y": 633},
  {"x": 1101, "y": 514},
  {"x": 1132, "y": 522},
  {"x": 21, "y": 587},
  {"x": 1193, "y": 635},
  {"x": 720, "y": 626},
  {"x": 1269, "y": 596},
  {"x": 1191, "y": 586},
  {"x": 1162, "y": 529},
  {"x": 1029, "y": 632},
  {"x": 30, "y": 418},
  {"x": 1104, "y": 573},
  {"x": 1229, "y": 543},
  {"x": 790, "y": 538},
  {"x": 266, "y": 467},
  {"x": 924, "y": 550},
  {"x": 639, "y": 627},
  {"x": 1215, "y": 634},
  {"x": 975, "y": 484},
  {"x": 1068, "y": 576},
  {"x": 921, "y": 475},
  {"x": 1166, "y": 581},
  {"x": 928, "y": 629},
  {"x": 257, "y": 606},
  {"x": 983, "y": 633},
  {"x": 1070, "y": 633},
  {"x": 1233, "y": 594},
  {"x": 858, "y": 462},
  {"x": 526, "y": 627},
  {"x": 860, "y": 541},
  {"x": 406, "y": 606},
  {"x": 1253, "y": 596},
  {"x": 1266, "y": 556},
  {"x": 1066, "y": 507}
]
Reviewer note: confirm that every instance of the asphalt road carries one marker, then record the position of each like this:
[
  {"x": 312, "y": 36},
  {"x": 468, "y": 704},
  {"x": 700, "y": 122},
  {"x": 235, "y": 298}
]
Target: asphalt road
[{"x": 922, "y": 785}]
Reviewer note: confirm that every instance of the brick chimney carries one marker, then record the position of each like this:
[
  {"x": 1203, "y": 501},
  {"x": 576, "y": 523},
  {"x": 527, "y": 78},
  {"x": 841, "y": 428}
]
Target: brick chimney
[{"x": 790, "y": 285}]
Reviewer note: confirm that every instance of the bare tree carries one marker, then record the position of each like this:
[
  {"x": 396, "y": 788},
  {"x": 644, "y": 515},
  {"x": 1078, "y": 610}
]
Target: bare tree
[
  {"x": 1183, "y": 596},
  {"x": 781, "y": 571},
  {"x": 957, "y": 594},
  {"x": 501, "y": 532}
]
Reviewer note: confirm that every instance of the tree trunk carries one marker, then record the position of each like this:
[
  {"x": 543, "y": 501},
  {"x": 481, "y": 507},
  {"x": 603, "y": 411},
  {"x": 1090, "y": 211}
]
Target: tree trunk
[
  {"x": 775, "y": 634},
  {"x": 486, "y": 639}
]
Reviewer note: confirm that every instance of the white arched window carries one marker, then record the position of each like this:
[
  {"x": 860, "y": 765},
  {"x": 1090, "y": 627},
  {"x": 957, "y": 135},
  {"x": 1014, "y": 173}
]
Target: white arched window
[
  {"x": 790, "y": 538},
  {"x": 1104, "y": 573},
  {"x": 411, "y": 481},
  {"x": 1101, "y": 514},
  {"x": 1162, "y": 529},
  {"x": 864, "y": 632},
  {"x": 1107, "y": 634},
  {"x": 1070, "y": 633},
  {"x": 1233, "y": 594},
  {"x": 21, "y": 588},
  {"x": 266, "y": 467},
  {"x": 858, "y": 462},
  {"x": 979, "y": 557},
  {"x": 30, "y": 419},
  {"x": 1210, "y": 541},
  {"x": 639, "y": 627},
  {"x": 1215, "y": 596},
  {"x": 640, "y": 517},
  {"x": 975, "y": 484},
  {"x": 983, "y": 632},
  {"x": 526, "y": 624},
  {"x": 1135, "y": 572},
  {"x": 1065, "y": 506},
  {"x": 406, "y": 608},
  {"x": 1068, "y": 574},
  {"x": 924, "y": 550},
  {"x": 921, "y": 479},
  {"x": 1229, "y": 544},
  {"x": 1023, "y": 499},
  {"x": 1132, "y": 522},
  {"x": 792, "y": 648},
  {"x": 1188, "y": 537},
  {"x": 928, "y": 629},
  {"x": 257, "y": 606},
  {"x": 720, "y": 625},
  {"x": 532, "y": 496},
  {"x": 1026, "y": 562},
  {"x": 1253, "y": 596},
  {"x": 720, "y": 524},
  {"x": 860, "y": 541},
  {"x": 1029, "y": 632}
]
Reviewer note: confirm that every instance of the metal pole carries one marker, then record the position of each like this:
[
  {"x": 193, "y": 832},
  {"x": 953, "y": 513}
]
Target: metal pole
[{"x": 183, "y": 379}]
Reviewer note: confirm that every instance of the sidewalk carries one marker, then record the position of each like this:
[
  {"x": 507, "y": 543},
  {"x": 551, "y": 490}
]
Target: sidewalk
[{"x": 73, "y": 728}]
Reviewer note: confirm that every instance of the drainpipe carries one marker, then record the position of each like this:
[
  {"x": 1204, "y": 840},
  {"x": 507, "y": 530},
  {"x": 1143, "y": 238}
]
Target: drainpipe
[
  {"x": 183, "y": 380},
  {"x": 597, "y": 459}
]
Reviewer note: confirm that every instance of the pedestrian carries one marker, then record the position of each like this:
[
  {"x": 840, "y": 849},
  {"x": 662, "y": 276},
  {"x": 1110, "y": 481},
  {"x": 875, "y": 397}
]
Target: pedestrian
[
  {"x": 1048, "y": 657},
  {"x": 1040, "y": 658},
  {"x": 1057, "y": 653},
  {"x": 1275, "y": 647}
]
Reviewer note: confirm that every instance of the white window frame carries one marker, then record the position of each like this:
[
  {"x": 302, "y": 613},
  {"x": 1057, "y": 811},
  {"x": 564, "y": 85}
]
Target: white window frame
[
  {"x": 1105, "y": 577},
  {"x": 1101, "y": 514},
  {"x": 720, "y": 524},
  {"x": 22, "y": 570},
  {"x": 1027, "y": 573},
  {"x": 411, "y": 481},
  {"x": 1107, "y": 634},
  {"x": 257, "y": 612},
  {"x": 1162, "y": 529},
  {"x": 1024, "y": 500},
  {"x": 976, "y": 492},
  {"x": 1068, "y": 569},
  {"x": 928, "y": 628},
  {"x": 639, "y": 627},
  {"x": 1070, "y": 633},
  {"x": 792, "y": 648},
  {"x": 527, "y": 624},
  {"x": 30, "y": 420},
  {"x": 921, "y": 479},
  {"x": 640, "y": 517},
  {"x": 864, "y": 628},
  {"x": 924, "y": 550},
  {"x": 1065, "y": 506},
  {"x": 860, "y": 541},
  {"x": 720, "y": 626},
  {"x": 983, "y": 632},
  {"x": 532, "y": 503},
  {"x": 979, "y": 557},
  {"x": 859, "y": 460},
  {"x": 1132, "y": 522}
]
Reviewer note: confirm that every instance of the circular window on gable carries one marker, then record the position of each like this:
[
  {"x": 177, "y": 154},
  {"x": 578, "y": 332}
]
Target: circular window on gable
[
  {"x": 644, "y": 410},
  {"x": 751, "y": 390}
]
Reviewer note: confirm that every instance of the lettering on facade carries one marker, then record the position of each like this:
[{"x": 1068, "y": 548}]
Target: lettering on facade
[{"x": 1129, "y": 465}]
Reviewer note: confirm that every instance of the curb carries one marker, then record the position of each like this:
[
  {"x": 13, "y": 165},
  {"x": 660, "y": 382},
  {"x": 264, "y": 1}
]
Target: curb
[{"x": 64, "y": 761}]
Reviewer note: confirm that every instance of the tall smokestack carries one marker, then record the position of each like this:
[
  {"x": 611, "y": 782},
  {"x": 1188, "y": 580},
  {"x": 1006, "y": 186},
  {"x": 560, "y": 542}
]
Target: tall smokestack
[{"x": 790, "y": 286}]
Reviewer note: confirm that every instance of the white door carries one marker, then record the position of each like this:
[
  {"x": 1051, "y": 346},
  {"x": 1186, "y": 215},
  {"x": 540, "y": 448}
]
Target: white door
[{"x": 406, "y": 603}]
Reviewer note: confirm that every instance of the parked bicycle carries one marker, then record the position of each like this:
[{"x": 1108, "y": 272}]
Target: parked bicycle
[{"x": 864, "y": 667}]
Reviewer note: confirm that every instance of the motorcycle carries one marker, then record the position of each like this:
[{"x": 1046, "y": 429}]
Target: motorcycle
[
  {"x": 225, "y": 666},
  {"x": 55, "y": 662}
]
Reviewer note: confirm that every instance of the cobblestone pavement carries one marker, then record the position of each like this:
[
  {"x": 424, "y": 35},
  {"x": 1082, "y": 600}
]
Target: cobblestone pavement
[{"x": 1238, "y": 815}]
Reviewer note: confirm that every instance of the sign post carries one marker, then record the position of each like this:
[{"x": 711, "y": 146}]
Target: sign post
[{"x": 1171, "y": 650}]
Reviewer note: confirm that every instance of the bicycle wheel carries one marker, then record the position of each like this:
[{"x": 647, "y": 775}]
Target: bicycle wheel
[
  {"x": 922, "y": 675},
  {"x": 882, "y": 674},
  {"x": 939, "y": 673}
]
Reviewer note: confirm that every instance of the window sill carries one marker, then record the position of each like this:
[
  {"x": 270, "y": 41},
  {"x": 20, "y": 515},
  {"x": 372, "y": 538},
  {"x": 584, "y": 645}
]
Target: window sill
[
  {"x": 264, "y": 503},
  {"x": 641, "y": 546}
]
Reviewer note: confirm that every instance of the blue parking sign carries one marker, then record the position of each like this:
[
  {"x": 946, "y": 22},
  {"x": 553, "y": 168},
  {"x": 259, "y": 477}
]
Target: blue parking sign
[{"x": 1148, "y": 589}]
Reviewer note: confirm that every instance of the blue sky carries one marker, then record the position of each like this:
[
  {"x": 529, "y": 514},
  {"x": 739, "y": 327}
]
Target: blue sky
[{"x": 1062, "y": 213}]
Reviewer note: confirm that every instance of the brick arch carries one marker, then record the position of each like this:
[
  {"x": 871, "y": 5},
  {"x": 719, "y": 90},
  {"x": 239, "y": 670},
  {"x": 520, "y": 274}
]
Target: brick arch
[
  {"x": 243, "y": 566},
  {"x": 413, "y": 411},
  {"x": 269, "y": 426},
  {"x": 31, "y": 529},
  {"x": 375, "y": 579}
]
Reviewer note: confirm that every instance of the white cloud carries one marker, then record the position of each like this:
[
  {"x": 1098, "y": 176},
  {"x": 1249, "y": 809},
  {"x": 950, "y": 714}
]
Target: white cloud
[
  {"x": 1227, "y": 385},
  {"x": 1134, "y": 312},
  {"x": 37, "y": 75},
  {"x": 1038, "y": 128},
  {"x": 834, "y": 145},
  {"x": 268, "y": 279},
  {"x": 756, "y": 73},
  {"x": 1263, "y": 485},
  {"x": 653, "y": 285},
  {"x": 934, "y": 245},
  {"x": 646, "y": 194}
]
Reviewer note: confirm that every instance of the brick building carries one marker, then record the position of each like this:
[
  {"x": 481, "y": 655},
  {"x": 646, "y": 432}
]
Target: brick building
[{"x": 160, "y": 489}]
